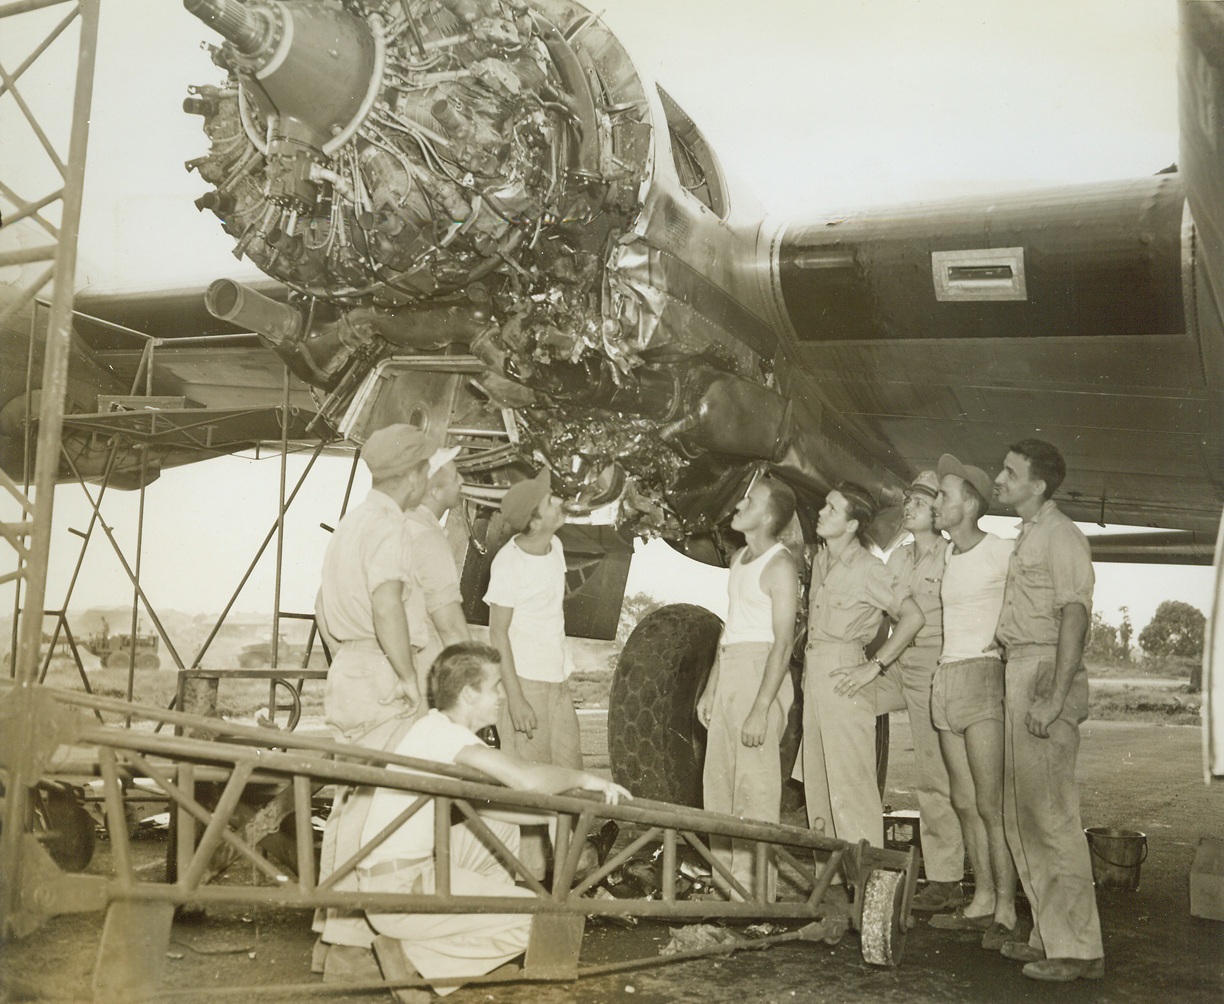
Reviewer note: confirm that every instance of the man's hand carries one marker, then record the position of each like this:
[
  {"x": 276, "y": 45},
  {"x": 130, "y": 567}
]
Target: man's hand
[
  {"x": 522, "y": 715},
  {"x": 612, "y": 792},
  {"x": 404, "y": 693},
  {"x": 705, "y": 706},
  {"x": 1041, "y": 715},
  {"x": 854, "y": 678},
  {"x": 753, "y": 732}
]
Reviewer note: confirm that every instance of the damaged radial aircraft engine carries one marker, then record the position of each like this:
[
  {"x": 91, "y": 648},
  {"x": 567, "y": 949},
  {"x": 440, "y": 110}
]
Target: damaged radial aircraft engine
[{"x": 493, "y": 178}]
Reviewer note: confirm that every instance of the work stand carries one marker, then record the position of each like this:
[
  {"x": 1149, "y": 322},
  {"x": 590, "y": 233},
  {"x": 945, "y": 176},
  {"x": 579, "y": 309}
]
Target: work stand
[{"x": 247, "y": 765}]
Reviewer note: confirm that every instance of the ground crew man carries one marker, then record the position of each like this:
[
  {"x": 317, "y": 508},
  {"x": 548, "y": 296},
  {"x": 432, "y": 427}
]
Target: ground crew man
[
  {"x": 749, "y": 694},
  {"x": 1043, "y": 625},
  {"x": 920, "y": 565},
  {"x": 468, "y": 691},
  {"x": 434, "y": 573},
  {"x": 967, "y": 698},
  {"x": 372, "y": 694},
  {"x": 844, "y": 692},
  {"x": 527, "y": 626},
  {"x": 362, "y": 603}
]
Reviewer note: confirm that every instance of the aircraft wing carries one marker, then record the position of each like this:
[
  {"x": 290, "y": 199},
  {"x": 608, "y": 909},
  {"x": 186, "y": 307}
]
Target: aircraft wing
[
  {"x": 650, "y": 330},
  {"x": 154, "y": 382},
  {"x": 963, "y": 326}
]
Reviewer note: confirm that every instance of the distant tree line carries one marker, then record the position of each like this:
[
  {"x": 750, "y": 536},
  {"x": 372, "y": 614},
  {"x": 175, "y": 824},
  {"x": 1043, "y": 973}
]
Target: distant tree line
[
  {"x": 1176, "y": 631},
  {"x": 1176, "y": 628},
  {"x": 1105, "y": 641}
]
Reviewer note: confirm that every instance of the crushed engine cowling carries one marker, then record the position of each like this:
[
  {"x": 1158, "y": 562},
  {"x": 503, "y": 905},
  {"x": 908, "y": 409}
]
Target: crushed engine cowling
[{"x": 474, "y": 174}]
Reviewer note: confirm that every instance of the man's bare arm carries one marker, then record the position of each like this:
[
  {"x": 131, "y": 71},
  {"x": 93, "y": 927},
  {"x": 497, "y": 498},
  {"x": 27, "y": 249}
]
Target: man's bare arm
[
  {"x": 522, "y": 714},
  {"x": 391, "y": 630},
  {"x": 855, "y": 678},
  {"x": 543, "y": 778},
  {"x": 1072, "y": 631},
  {"x": 451, "y": 625},
  {"x": 780, "y": 582}
]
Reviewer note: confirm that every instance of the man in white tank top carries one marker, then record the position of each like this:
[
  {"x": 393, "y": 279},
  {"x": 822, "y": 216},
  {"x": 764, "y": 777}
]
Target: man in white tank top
[
  {"x": 967, "y": 698},
  {"x": 749, "y": 693}
]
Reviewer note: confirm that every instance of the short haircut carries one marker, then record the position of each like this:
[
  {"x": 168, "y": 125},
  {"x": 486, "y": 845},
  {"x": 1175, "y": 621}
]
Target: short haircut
[
  {"x": 1045, "y": 462},
  {"x": 971, "y": 494},
  {"x": 860, "y": 505},
  {"x": 781, "y": 503},
  {"x": 458, "y": 666}
]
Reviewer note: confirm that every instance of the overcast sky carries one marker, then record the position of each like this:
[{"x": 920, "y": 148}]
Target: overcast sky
[{"x": 815, "y": 106}]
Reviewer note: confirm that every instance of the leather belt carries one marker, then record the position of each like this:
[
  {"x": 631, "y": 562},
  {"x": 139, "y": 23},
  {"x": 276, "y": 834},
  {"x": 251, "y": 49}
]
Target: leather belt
[{"x": 391, "y": 866}]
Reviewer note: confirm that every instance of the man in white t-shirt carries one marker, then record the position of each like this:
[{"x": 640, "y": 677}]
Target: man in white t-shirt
[
  {"x": 967, "y": 698},
  {"x": 527, "y": 626},
  {"x": 467, "y": 691}
]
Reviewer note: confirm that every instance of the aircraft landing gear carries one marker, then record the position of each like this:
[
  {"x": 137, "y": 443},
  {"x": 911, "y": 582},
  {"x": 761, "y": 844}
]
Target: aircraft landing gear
[{"x": 656, "y": 745}]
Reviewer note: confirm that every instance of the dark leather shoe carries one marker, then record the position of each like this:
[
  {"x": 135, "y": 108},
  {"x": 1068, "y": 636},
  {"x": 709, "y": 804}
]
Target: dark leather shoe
[
  {"x": 397, "y": 969},
  {"x": 938, "y": 897},
  {"x": 998, "y": 935},
  {"x": 1022, "y": 951},
  {"x": 1065, "y": 970}
]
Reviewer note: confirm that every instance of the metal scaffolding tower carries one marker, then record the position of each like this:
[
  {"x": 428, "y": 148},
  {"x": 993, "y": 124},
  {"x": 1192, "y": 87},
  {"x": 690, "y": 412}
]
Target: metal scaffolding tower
[{"x": 30, "y": 536}]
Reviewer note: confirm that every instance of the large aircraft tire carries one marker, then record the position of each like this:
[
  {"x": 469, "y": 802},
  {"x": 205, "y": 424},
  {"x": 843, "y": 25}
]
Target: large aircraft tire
[
  {"x": 655, "y": 742},
  {"x": 69, "y": 829}
]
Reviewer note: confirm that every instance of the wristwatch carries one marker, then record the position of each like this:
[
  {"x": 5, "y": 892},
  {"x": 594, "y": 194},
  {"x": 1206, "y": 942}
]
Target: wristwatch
[{"x": 878, "y": 661}]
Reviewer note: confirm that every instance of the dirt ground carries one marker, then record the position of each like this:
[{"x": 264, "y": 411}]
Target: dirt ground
[{"x": 1135, "y": 776}]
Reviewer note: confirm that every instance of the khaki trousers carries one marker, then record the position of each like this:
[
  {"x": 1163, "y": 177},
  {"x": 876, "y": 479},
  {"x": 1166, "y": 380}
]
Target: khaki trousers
[
  {"x": 555, "y": 738},
  {"x": 1041, "y": 812},
  {"x": 441, "y": 945},
  {"x": 943, "y": 848},
  {"x": 358, "y": 710},
  {"x": 837, "y": 762},
  {"x": 744, "y": 781}
]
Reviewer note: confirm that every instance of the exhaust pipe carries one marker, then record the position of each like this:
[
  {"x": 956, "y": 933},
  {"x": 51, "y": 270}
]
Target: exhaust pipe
[{"x": 231, "y": 301}]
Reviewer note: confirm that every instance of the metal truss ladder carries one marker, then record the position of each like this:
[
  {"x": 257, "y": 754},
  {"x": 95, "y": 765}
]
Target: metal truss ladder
[{"x": 30, "y": 537}]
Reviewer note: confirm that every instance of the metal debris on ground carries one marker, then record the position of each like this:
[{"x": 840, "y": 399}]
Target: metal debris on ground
[{"x": 695, "y": 936}]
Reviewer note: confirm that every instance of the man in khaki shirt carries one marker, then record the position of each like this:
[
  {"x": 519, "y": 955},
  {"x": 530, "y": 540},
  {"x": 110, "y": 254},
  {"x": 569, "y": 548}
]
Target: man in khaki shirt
[
  {"x": 920, "y": 565},
  {"x": 843, "y": 691},
  {"x": 372, "y": 695},
  {"x": 1046, "y": 606},
  {"x": 362, "y": 604}
]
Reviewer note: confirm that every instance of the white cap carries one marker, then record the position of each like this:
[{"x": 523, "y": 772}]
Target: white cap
[{"x": 440, "y": 458}]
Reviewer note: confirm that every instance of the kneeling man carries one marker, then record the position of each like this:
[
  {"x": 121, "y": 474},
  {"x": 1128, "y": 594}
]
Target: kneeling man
[{"x": 466, "y": 694}]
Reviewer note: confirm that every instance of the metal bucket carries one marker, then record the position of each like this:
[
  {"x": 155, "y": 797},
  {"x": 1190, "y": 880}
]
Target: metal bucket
[{"x": 1116, "y": 856}]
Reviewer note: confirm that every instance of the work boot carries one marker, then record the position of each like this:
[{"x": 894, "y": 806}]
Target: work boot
[
  {"x": 318, "y": 956},
  {"x": 1022, "y": 951},
  {"x": 397, "y": 969},
  {"x": 998, "y": 935},
  {"x": 349, "y": 964},
  {"x": 938, "y": 897},
  {"x": 1065, "y": 970}
]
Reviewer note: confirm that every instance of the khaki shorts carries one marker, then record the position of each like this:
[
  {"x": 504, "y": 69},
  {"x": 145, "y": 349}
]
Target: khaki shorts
[{"x": 967, "y": 692}]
